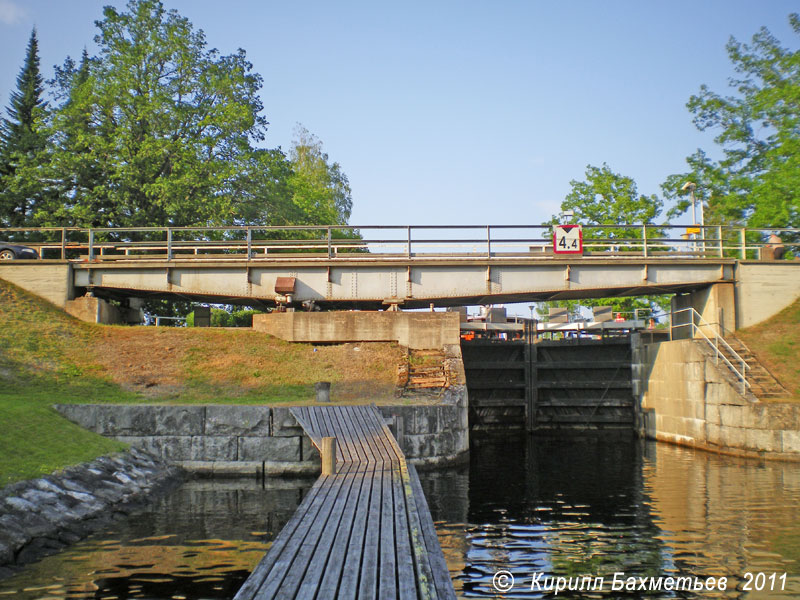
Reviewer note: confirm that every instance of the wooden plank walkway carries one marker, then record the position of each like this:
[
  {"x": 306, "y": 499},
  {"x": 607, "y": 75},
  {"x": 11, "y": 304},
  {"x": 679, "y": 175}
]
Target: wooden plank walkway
[{"x": 365, "y": 532}]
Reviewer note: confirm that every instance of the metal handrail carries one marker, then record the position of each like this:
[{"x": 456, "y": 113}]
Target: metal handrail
[
  {"x": 695, "y": 329},
  {"x": 644, "y": 240}
]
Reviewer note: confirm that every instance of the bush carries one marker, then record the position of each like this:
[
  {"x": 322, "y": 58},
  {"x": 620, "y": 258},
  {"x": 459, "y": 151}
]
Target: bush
[{"x": 223, "y": 318}]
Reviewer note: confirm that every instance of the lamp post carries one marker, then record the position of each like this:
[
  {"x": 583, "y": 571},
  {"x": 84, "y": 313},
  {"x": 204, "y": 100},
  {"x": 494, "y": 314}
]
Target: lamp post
[{"x": 691, "y": 187}]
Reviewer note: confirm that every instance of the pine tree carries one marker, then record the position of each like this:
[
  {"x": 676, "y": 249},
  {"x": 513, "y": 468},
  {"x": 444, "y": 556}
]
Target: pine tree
[{"x": 21, "y": 140}]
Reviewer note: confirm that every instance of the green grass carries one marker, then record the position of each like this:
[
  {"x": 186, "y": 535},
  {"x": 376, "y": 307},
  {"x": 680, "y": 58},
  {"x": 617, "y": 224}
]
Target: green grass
[
  {"x": 776, "y": 342},
  {"x": 35, "y": 440},
  {"x": 48, "y": 357}
]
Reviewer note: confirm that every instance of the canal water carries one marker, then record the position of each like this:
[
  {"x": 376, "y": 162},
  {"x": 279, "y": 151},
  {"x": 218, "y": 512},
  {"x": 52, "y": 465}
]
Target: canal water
[{"x": 524, "y": 513}]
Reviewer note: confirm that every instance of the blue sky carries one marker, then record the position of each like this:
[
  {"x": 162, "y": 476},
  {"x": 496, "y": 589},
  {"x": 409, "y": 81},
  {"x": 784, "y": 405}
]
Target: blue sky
[{"x": 446, "y": 112}]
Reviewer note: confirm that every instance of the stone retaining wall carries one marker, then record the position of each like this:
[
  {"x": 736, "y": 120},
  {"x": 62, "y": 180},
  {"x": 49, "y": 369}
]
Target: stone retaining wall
[
  {"x": 253, "y": 440},
  {"x": 42, "y": 516},
  {"x": 688, "y": 399}
]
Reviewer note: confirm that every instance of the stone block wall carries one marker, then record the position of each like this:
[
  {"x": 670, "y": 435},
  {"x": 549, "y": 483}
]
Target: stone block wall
[
  {"x": 688, "y": 399},
  {"x": 253, "y": 440}
]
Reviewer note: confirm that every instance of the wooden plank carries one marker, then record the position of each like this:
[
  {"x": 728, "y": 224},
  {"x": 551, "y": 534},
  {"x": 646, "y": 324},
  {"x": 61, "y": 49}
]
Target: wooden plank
[
  {"x": 351, "y": 437},
  {"x": 355, "y": 550},
  {"x": 297, "y": 525},
  {"x": 337, "y": 528},
  {"x": 348, "y": 528},
  {"x": 368, "y": 580},
  {"x": 363, "y": 435},
  {"x": 496, "y": 385},
  {"x": 434, "y": 580},
  {"x": 387, "y": 581},
  {"x": 303, "y": 419},
  {"x": 406, "y": 575},
  {"x": 286, "y": 575}
]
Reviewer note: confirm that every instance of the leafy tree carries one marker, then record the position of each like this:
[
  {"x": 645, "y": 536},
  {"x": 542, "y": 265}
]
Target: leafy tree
[
  {"x": 320, "y": 190},
  {"x": 20, "y": 139},
  {"x": 757, "y": 180},
  {"x": 154, "y": 130},
  {"x": 607, "y": 199}
]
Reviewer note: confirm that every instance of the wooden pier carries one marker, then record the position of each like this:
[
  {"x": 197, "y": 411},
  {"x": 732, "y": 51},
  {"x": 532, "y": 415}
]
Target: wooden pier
[{"x": 363, "y": 532}]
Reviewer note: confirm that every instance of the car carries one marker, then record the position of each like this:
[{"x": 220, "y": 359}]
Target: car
[{"x": 16, "y": 251}]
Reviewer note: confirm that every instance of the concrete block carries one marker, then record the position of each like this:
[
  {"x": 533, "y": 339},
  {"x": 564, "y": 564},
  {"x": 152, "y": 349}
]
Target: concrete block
[
  {"x": 763, "y": 440},
  {"x": 248, "y": 421},
  {"x": 178, "y": 420},
  {"x": 308, "y": 450},
  {"x": 174, "y": 447},
  {"x": 731, "y": 416},
  {"x": 790, "y": 441},
  {"x": 712, "y": 414},
  {"x": 429, "y": 445},
  {"x": 134, "y": 419},
  {"x": 270, "y": 448},
  {"x": 284, "y": 424},
  {"x": 733, "y": 437},
  {"x": 695, "y": 390},
  {"x": 206, "y": 447},
  {"x": 714, "y": 434},
  {"x": 84, "y": 415}
]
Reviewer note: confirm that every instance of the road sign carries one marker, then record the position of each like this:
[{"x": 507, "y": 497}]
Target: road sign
[{"x": 567, "y": 239}]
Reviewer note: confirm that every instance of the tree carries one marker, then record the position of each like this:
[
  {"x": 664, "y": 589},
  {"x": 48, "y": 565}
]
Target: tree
[
  {"x": 155, "y": 130},
  {"x": 21, "y": 139},
  {"x": 757, "y": 180},
  {"x": 320, "y": 190},
  {"x": 608, "y": 200}
]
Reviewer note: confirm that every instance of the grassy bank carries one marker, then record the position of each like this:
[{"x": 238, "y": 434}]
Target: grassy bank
[
  {"x": 776, "y": 342},
  {"x": 47, "y": 357}
]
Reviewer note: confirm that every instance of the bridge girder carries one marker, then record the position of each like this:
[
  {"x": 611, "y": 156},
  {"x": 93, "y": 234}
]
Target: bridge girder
[{"x": 412, "y": 283}]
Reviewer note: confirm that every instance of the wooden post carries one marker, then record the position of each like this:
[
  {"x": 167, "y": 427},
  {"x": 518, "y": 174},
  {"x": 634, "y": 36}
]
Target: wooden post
[{"x": 328, "y": 452}]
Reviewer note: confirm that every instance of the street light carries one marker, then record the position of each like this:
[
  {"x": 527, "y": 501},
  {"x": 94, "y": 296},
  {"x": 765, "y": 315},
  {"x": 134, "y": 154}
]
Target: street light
[{"x": 690, "y": 187}]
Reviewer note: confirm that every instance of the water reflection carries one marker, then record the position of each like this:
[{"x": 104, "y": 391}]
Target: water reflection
[
  {"x": 569, "y": 507},
  {"x": 201, "y": 541},
  {"x": 589, "y": 507}
]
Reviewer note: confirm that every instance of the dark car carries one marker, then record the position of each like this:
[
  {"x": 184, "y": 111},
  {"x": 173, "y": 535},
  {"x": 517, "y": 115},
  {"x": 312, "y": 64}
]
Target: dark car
[{"x": 15, "y": 251}]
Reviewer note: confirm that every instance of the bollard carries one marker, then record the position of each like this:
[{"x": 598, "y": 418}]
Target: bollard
[
  {"x": 323, "y": 390},
  {"x": 328, "y": 453}
]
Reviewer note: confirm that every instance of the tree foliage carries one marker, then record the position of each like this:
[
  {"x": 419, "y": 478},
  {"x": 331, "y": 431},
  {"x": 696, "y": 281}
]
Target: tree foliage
[
  {"x": 608, "y": 200},
  {"x": 157, "y": 130},
  {"x": 21, "y": 139},
  {"x": 757, "y": 180}
]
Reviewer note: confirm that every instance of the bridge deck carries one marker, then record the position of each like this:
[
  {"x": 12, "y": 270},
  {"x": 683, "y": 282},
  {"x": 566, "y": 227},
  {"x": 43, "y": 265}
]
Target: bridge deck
[{"x": 364, "y": 532}]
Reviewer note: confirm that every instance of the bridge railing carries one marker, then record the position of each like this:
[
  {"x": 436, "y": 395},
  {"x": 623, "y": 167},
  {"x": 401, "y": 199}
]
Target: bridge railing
[
  {"x": 345, "y": 241},
  {"x": 699, "y": 328}
]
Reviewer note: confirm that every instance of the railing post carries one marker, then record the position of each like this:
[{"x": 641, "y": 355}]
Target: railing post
[
  {"x": 169, "y": 243},
  {"x": 743, "y": 239},
  {"x": 644, "y": 239},
  {"x": 91, "y": 245},
  {"x": 63, "y": 243},
  {"x": 330, "y": 250},
  {"x": 719, "y": 238},
  {"x": 488, "y": 241},
  {"x": 249, "y": 243},
  {"x": 408, "y": 245},
  {"x": 328, "y": 455}
]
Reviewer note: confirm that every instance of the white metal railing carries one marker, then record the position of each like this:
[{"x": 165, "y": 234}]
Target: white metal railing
[
  {"x": 696, "y": 324},
  {"x": 347, "y": 241}
]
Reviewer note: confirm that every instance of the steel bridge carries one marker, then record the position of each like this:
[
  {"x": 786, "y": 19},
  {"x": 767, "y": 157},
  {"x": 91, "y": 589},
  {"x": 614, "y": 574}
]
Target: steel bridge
[{"x": 389, "y": 266}]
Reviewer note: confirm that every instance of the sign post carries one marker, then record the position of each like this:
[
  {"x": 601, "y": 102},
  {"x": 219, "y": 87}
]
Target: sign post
[{"x": 567, "y": 239}]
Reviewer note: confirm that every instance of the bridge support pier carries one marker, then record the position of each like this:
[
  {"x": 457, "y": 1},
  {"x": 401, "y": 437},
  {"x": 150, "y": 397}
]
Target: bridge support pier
[{"x": 716, "y": 304}]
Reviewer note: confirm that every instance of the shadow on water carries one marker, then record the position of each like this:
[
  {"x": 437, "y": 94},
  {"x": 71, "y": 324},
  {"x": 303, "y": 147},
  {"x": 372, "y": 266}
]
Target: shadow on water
[{"x": 588, "y": 507}]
